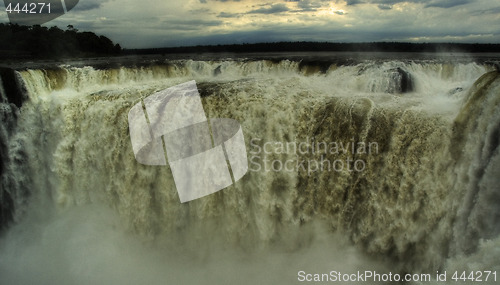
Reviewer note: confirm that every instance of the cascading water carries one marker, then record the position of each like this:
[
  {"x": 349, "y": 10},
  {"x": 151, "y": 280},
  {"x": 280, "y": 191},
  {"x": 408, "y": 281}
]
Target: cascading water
[{"x": 346, "y": 173}]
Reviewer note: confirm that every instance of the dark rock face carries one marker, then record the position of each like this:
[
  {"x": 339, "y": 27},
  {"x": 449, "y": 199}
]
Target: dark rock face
[
  {"x": 455, "y": 91},
  {"x": 13, "y": 87},
  {"x": 12, "y": 95},
  {"x": 400, "y": 81},
  {"x": 6, "y": 206},
  {"x": 310, "y": 67},
  {"x": 217, "y": 71}
]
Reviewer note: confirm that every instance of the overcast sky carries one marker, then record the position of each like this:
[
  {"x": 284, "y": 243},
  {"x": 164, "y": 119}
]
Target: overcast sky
[{"x": 163, "y": 23}]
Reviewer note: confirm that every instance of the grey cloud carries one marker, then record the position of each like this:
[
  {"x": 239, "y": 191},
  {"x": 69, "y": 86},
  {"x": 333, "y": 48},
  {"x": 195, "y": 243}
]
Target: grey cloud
[
  {"x": 204, "y": 11},
  {"x": 385, "y": 4},
  {"x": 384, "y": 7},
  {"x": 383, "y": 32},
  {"x": 187, "y": 28},
  {"x": 190, "y": 25},
  {"x": 381, "y": 2},
  {"x": 275, "y": 8},
  {"x": 354, "y": 2},
  {"x": 392, "y": 2},
  {"x": 86, "y": 5},
  {"x": 486, "y": 11},
  {"x": 307, "y": 5},
  {"x": 325, "y": 33},
  {"x": 228, "y": 15},
  {"x": 447, "y": 3},
  {"x": 196, "y": 22}
]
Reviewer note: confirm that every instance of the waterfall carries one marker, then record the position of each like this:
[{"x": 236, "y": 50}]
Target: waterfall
[{"x": 393, "y": 161}]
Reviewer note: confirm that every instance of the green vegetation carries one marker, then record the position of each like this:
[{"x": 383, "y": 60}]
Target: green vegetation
[{"x": 18, "y": 41}]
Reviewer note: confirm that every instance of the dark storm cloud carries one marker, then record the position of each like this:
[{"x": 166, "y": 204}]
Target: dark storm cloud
[{"x": 275, "y": 8}]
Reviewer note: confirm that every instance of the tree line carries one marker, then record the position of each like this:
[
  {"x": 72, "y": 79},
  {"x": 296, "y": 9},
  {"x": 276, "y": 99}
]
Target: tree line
[
  {"x": 326, "y": 46},
  {"x": 18, "y": 41}
]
